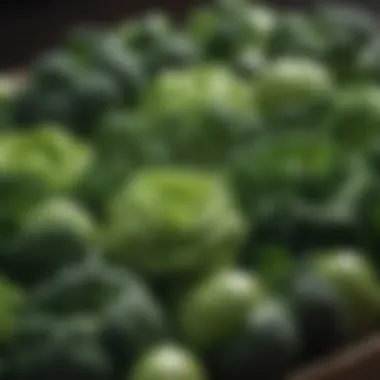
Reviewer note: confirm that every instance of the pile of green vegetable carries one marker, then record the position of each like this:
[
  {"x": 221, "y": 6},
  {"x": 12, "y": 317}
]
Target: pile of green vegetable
[{"x": 192, "y": 202}]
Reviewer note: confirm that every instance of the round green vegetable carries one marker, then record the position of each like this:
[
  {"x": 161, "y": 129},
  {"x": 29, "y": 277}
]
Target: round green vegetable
[
  {"x": 131, "y": 326},
  {"x": 296, "y": 35},
  {"x": 294, "y": 87},
  {"x": 88, "y": 288},
  {"x": 201, "y": 114},
  {"x": 168, "y": 362},
  {"x": 46, "y": 347},
  {"x": 60, "y": 213},
  {"x": 170, "y": 221},
  {"x": 38, "y": 163},
  {"x": 48, "y": 153},
  {"x": 321, "y": 313},
  {"x": 354, "y": 277},
  {"x": 267, "y": 345},
  {"x": 218, "y": 306}
]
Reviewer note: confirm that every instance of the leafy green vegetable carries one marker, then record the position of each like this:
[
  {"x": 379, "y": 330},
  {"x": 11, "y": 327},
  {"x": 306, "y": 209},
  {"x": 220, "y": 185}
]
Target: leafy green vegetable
[
  {"x": 346, "y": 30},
  {"x": 225, "y": 29},
  {"x": 216, "y": 307},
  {"x": 355, "y": 279},
  {"x": 294, "y": 89},
  {"x": 268, "y": 344},
  {"x": 321, "y": 313},
  {"x": 192, "y": 109},
  {"x": 166, "y": 221},
  {"x": 168, "y": 361},
  {"x": 296, "y": 35},
  {"x": 47, "y": 153},
  {"x": 131, "y": 326},
  {"x": 55, "y": 70},
  {"x": 145, "y": 33},
  {"x": 90, "y": 287},
  {"x": 62, "y": 213},
  {"x": 46, "y": 347}
]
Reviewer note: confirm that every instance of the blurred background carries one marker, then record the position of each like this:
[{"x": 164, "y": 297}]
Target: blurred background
[{"x": 29, "y": 26}]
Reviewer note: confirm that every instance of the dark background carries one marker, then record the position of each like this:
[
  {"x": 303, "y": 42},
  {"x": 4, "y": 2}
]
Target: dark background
[{"x": 28, "y": 27}]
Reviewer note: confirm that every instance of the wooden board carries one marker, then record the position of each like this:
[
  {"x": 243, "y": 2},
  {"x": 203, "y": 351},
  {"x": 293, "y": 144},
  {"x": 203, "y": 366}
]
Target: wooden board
[{"x": 359, "y": 362}]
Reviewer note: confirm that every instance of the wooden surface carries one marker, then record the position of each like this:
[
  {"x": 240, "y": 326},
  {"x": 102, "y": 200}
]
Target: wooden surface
[{"x": 360, "y": 362}]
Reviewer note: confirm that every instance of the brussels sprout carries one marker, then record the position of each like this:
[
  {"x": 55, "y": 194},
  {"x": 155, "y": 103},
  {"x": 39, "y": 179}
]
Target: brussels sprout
[
  {"x": 46, "y": 347},
  {"x": 36, "y": 163},
  {"x": 46, "y": 97},
  {"x": 32, "y": 106},
  {"x": 296, "y": 35},
  {"x": 215, "y": 309},
  {"x": 54, "y": 233},
  {"x": 169, "y": 221},
  {"x": 346, "y": 30},
  {"x": 323, "y": 217},
  {"x": 355, "y": 279},
  {"x": 168, "y": 362},
  {"x": 322, "y": 315},
  {"x": 82, "y": 41},
  {"x": 61, "y": 213},
  {"x": 90, "y": 287},
  {"x": 249, "y": 63},
  {"x": 200, "y": 87},
  {"x": 47, "y": 153},
  {"x": 130, "y": 326},
  {"x": 347, "y": 24},
  {"x": 123, "y": 142},
  {"x": 93, "y": 95},
  {"x": 123, "y": 66},
  {"x": 76, "y": 91},
  {"x": 223, "y": 31},
  {"x": 216, "y": 35},
  {"x": 34, "y": 256},
  {"x": 175, "y": 51},
  {"x": 56, "y": 69},
  {"x": 105, "y": 52},
  {"x": 258, "y": 23},
  {"x": 295, "y": 163},
  {"x": 201, "y": 114},
  {"x": 146, "y": 32},
  {"x": 293, "y": 88},
  {"x": 267, "y": 346}
]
